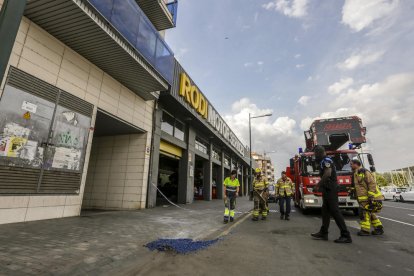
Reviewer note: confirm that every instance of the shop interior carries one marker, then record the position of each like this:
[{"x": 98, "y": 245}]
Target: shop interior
[{"x": 168, "y": 179}]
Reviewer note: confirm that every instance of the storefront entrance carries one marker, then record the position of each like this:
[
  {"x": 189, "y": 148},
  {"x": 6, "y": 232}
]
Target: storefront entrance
[
  {"x": 217, "y": 181},
  {"x": 167, "y": 179}
]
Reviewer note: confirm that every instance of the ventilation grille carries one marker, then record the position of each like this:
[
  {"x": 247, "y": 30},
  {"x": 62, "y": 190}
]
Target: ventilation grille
[
  {"x": 32, "y": 85},
  {"x": 60, "y": 182},
  {"x": 74, "y": 103},
  {"x": 15, "y": 180}
]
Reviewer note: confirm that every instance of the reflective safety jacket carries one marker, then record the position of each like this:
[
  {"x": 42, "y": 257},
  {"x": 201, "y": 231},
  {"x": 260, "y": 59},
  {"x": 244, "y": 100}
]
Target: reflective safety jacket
[
  {"x": 260, "y": 185},
  {"x": 284, "y": 187},
  {"x": 231, "y": 185},
  {"x": 365, "y": 186}
]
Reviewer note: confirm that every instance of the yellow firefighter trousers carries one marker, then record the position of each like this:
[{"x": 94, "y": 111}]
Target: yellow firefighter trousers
[
  {"x": 368, "y": 219},
  {"x": 260, "y": 205}
]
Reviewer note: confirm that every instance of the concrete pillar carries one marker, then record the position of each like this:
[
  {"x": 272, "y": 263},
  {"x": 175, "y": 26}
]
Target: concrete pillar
[
  {"x": 10, "y": 17},
  {"x": 242, "y": 181},
  {"x": 155, "y": 159},
  {"x": 220, "y": 178},
  {"x": 208, "y": 175},
  {"x": 186, "y": 170}
]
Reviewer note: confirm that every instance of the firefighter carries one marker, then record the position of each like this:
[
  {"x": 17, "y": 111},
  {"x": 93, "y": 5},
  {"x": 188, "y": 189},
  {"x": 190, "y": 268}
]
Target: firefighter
[
  {"x": 260, "y": 187},
  {"x": 231, "y": 191},
  {"x": 328, "y": 185},
  {"x": 284, "y": 191},
  {"x": 369, "y": 198}
]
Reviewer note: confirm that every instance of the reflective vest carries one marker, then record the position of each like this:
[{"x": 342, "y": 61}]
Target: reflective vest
[
  {"x": 259, "y": 185},
  {"x": 365, "y": 186},
  {"x": 284, "y": 187},
  {"x": 231, "y": 185}
]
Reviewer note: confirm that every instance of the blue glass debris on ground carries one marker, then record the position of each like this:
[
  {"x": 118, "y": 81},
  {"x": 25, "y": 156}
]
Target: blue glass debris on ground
[{"x": 180, "y": 246}]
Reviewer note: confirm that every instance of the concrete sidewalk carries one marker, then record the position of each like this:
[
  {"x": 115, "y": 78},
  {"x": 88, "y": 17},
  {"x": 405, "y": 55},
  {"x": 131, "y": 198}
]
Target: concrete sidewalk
[{"x": 100, "y": 242}]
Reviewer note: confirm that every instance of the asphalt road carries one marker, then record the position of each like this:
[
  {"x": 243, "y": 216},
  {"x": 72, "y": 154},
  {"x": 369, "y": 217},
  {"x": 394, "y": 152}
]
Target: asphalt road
[{"x": 285, "y": 247}]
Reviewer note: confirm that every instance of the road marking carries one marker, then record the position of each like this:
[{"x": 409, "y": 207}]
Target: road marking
[
  {"x": 397, "y": 207},
  {"x": 411, "y": 215},
  {"x": 397, "y": 221},
  {"x": 227, "y": 231}
]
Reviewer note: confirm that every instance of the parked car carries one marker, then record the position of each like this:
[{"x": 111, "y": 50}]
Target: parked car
[
  {"x": 272, "y": 193},
  {"x": 392, "y": 193},
  {"x": 407, "y": 195}
]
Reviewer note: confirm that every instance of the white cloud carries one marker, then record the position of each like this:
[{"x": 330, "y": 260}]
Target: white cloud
[
  {"x": 360, "y": 14},
  {"x": 360, "y": 59},
  {"x": 248, "y": 64},
  {"x": 304, "y": 100},
  {"x": 260, "y": 63},
  {"x": 298, "y": 56},
  {"x": 267, "y": 133},
  {"x": 386, "y": 109},
  {"x": 389, "y": 103},
  {"x": 299, "y": 66},
  {"x": 291, "y": 8},
  {"x": 340, "y": 86}
]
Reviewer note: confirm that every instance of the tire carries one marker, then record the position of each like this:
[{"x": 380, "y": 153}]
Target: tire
[
  {"x": 401, "y": 199},
  {"x": 356, "y": 212},
  {"x": 394, "y": 199}
]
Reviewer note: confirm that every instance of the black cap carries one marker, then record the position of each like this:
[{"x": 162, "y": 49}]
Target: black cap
[{"x": 233, "y": 172}]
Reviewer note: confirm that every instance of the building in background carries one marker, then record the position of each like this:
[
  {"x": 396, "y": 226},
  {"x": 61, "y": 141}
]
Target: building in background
[
  {"x": 81, "y": 81},
  {"x": 265, "y": 164}
]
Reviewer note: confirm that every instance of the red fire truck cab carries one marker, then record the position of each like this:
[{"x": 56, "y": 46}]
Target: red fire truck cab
[{"x": 332, "y": 134}]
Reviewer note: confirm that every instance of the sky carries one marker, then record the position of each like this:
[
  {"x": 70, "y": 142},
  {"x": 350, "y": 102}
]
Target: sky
[{"x": 302, "y": 60}]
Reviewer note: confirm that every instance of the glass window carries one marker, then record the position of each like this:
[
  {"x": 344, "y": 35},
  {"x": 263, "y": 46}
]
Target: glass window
[
  {"x": 179, "y": 130},
  {"x": 201, "y": 147},
  {"x": 215, "y": 154},
  {"x": 167, "y": 124},
  {"x": 69, "y": 140},
  {"x": 24, "y": 128}
]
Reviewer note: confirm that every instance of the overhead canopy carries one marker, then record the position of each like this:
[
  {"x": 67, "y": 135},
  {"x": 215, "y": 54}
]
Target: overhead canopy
[
  {"x": 108, "y": 125},
  {"x": 158, "y": 13},
  {"x": 78, "y": 25}
]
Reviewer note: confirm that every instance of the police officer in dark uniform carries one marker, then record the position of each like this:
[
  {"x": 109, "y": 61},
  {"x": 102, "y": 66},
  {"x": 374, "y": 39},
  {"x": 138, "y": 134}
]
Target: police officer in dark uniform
[{"x": 328, "y": 185}]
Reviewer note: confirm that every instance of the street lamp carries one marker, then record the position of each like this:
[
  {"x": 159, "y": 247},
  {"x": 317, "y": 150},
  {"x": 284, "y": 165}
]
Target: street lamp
[{"x": 250, "y": 141}]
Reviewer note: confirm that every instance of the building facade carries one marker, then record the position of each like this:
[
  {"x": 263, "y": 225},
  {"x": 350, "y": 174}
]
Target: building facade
[
  {"x": 77, "y": 102},
  {"x": 193, "y": 149},
  {"x": 265, "y": 164}
]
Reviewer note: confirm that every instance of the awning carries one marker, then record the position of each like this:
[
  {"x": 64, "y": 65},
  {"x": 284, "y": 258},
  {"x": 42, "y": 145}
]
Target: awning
[
  {"x": 75, "y": 23},
  {"x": 158, "y": 13},
  {"x": 170, "y": 149}
]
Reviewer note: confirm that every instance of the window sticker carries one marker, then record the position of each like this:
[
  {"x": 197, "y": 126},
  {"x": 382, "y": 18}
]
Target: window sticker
[
  {"x": 65, "y": 158},
  {"x": 30, "y": 107}
]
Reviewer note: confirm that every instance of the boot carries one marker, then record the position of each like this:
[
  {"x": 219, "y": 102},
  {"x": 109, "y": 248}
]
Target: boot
[
  {"x": 255, "y": 218},
  {"x": 378, "y": 231},
  {"x": 226, "y": 220},
  {"x": 320, "y": 236},
  {"x": 231, "y": 219},
  {"x": 343, "y": 239},
  {"x": 287, "y": 217},
  {"x": 264, "y": 218},
  {"x": 282, "y": 216},
  {"x": 363, "y": 233}
]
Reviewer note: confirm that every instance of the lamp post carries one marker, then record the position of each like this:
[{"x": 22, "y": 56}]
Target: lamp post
[{"x": 250, "y": 142}]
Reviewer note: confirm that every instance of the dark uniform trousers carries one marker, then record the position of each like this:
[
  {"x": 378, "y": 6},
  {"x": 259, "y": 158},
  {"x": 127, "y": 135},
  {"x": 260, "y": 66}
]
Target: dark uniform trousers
[{"x": 330, "y": 208}]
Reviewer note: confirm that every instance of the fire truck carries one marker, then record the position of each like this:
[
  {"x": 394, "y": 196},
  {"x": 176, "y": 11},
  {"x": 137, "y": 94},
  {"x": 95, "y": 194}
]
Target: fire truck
[{"x": 333, "y": 134}]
